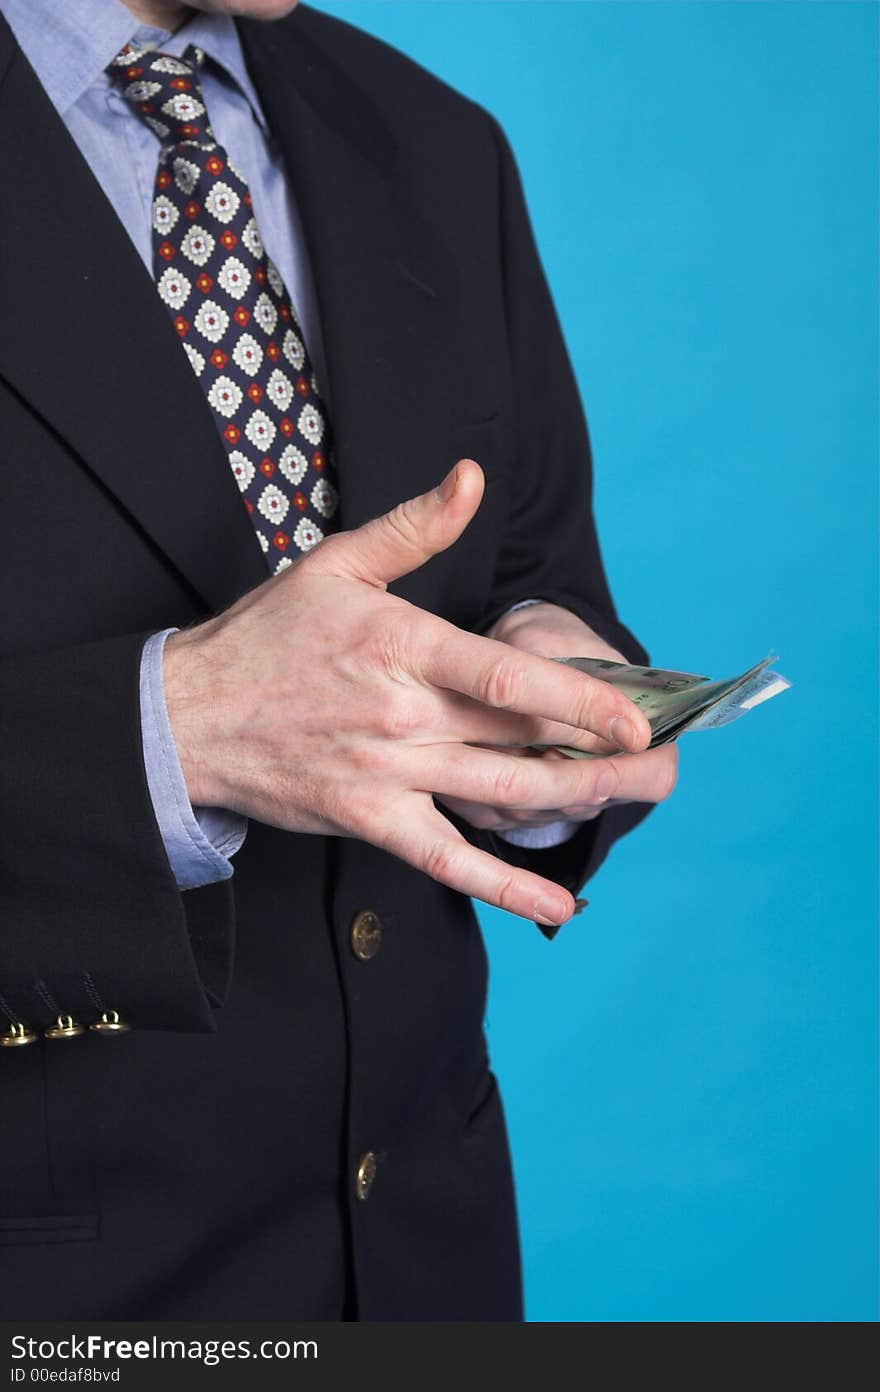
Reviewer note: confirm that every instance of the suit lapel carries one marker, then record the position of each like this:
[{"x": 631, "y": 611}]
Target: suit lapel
[
  {"x": 123, "y": 397},
  {"x": 91, "y": 348},
  {"x": 382, "y": 283}
]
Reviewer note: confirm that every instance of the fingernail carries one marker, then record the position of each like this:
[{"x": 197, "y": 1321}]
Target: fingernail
[
  {"x": 605, "y": 784},
  {"x": 446, "y": 489},
  {"x": 622, "y": 732},
  {"x": 549, "y": 913}
]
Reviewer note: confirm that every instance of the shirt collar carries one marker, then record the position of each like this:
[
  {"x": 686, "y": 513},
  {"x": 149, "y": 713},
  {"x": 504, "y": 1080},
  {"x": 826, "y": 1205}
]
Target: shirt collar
[
  {"x": 217, "y": 35},
  {"x": 70, "y": 44}
]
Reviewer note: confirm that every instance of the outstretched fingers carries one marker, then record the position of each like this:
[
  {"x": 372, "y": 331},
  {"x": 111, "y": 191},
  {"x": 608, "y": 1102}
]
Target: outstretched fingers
[
  {"x": 424, "y": 838},
  {"x": 503, "y": 678},
  {"x": 495, "y": 778}
]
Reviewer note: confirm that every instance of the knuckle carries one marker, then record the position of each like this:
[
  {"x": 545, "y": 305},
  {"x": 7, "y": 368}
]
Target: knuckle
[
  {"x": 506, "y": 895},
  {"x": 501, "y": 684},
  {"x": 372, "y": 758},
  {"x": 441, "y": 641},
  {"x": 401, "y": 715},
  {"x": 669, "y": 776},
  {"x": 604, "y": 781},
  {"x": 380, "y": 656},
  {"x": 585, "y": 705},
  {"x": 440, "y": 860},
  {"x": 512, "y": 785},
  {"x": 401, "y": 523},
  {"x": 390, "y": 644}
]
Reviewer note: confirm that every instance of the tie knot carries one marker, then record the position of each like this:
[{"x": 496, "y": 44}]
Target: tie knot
[{"x": 165, "y": 92}]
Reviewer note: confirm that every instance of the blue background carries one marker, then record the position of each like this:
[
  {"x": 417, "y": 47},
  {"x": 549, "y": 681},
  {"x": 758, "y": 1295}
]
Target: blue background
[{"x": 689, "y": 1069}]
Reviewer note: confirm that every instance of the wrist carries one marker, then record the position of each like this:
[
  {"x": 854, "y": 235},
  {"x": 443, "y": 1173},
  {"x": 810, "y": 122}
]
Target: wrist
[
  {"x": 551, "y": 621},
  {"x": 538, "y": 610},
  {"x": 193, "y": 705}
]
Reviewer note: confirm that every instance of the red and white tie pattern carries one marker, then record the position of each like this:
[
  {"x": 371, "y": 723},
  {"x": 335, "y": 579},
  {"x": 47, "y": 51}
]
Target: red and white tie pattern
[{"x": 232, "y": 312}]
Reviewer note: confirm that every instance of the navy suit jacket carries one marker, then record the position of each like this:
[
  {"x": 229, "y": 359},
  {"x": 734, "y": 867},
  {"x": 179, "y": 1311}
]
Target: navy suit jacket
[{"x": 203, "y": 1165}]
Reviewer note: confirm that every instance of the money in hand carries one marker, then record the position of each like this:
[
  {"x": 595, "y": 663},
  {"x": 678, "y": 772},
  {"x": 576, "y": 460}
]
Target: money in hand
[{"x": 675, "y": 702}]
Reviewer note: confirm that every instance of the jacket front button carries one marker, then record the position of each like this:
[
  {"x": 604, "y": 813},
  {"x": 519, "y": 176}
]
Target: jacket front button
[
  {"x": 366, "y": 1174},
  {"x": 110, "y": 1024},
  {"x": 366, "y": 934},
  {"x": 65, "y": 1027},
  {"x": 18, "y": 1033}
]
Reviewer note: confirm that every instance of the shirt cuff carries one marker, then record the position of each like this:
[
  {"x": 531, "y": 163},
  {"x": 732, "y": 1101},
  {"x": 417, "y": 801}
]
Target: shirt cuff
[
  {"x": 523, "y": 604},
  {"x": 541, "y": 838},
  {"x": 199, "y": 841}
]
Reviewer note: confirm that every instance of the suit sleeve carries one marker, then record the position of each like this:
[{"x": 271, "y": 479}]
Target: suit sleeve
[
  {"x": 550, "y": 549},
  {"x": 91, "y": 917}
]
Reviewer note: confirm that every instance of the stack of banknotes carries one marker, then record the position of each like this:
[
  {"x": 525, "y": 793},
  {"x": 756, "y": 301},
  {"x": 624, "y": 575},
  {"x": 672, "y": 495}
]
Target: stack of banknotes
[{"x": 675, "y": 702}]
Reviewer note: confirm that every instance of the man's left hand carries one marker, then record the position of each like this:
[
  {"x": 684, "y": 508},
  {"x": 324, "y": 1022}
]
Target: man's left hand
[{"x": 550, "y": 631}]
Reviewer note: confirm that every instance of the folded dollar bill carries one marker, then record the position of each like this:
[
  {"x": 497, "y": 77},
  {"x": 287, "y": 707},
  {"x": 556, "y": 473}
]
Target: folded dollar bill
[{"x": 678, "y": 701}]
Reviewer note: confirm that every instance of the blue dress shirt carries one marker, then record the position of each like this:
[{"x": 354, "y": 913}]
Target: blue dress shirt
[{"x": 83, "y": 36}]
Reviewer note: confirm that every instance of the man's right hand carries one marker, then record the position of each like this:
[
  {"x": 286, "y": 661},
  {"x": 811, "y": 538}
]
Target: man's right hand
[{"x": 321, "y": 703}]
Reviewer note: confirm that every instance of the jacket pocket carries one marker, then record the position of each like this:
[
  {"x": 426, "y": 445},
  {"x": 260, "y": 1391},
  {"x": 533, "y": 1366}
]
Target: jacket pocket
[
  {"x": 49, "y": 1110},
  {"x": 52, "y": 1229},
  {"x": 487, "y": 441}
]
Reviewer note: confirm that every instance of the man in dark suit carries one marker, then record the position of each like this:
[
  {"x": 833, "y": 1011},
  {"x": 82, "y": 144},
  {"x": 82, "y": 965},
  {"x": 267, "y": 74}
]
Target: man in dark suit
[{"x": 266, "y": 1094}]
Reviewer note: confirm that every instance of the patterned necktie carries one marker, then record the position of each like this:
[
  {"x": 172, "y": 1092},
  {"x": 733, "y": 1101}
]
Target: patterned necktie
[{"x": 232, "y": 312}]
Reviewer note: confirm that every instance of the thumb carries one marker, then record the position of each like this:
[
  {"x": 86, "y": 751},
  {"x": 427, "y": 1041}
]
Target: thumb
[{"x": 404, "y": 538}]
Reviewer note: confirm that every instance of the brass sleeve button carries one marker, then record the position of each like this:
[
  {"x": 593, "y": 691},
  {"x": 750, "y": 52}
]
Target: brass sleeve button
[
  {"x": 17, "y": 1034},
  {"x": 365, "y": 1175},
  {"x": 366, "y": 934},
  {"x": 65, "y": 1027},
  {"x": 110, "y": 1024}
]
